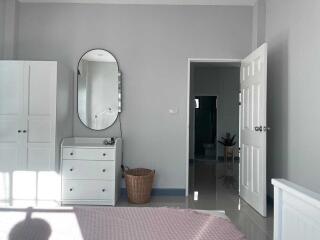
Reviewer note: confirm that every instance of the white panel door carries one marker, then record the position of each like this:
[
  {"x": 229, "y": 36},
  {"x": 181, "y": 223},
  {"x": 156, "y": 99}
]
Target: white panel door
[
  {"x": 12, "y": 116},
  {"x": 42, "y": 80},
  {"x": 253, "y": 84}
]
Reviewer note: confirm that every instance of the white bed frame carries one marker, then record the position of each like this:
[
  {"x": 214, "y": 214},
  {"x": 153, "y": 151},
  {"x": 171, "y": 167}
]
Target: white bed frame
[{"x": 296, "y": 212}]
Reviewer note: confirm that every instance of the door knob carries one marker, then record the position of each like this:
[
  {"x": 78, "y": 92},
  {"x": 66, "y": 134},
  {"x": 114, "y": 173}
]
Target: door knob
[{"x": 258, "y": 129}]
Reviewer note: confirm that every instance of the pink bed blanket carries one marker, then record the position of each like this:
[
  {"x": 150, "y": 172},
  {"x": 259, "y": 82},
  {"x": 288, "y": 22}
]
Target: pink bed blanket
[{"x": 135, "y": 223}]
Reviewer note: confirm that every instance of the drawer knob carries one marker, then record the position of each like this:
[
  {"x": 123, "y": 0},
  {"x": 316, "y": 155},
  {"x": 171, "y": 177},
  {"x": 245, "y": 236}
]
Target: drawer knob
[
  {"x": 103, "y": 170},
  {"x": 104, "y": 154},
  {"x": 71, "y": 153},
  {"x": 103, "y": 190},
  {"x": 71, "y": 189},
  {"x": 71, "y": 169}
]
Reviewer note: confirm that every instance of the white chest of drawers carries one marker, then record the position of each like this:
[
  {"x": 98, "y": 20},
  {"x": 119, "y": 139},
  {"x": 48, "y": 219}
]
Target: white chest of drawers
[{"x": 90, "y": 171}]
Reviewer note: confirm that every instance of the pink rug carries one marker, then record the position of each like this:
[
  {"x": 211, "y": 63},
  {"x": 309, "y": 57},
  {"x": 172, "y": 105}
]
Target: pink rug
[
  {"x": 153, "y": 224},
  {"x": 114, "y": 223}
]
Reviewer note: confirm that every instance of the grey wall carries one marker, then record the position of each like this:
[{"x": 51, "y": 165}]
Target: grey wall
[
  {"x": 293, "y": 91},
  {"x": 2, "y": 12},
  {"x": 152, "y": 44},
  {"x": 223, "y": 82},
  {"x": 8, "y": 28},
  {"x": 258, "y": 24}
]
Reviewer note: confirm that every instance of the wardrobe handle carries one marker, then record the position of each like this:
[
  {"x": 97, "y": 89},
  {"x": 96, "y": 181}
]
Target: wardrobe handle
[
  {"x": 71, "y": 153},
  {"x": 24, "y": 131},
  {"x": 71, "y": 169},
  {"x": 104, "y": 154},
  {"x": 103, "y": 170},
  {"x": 71, "y": 189},
  {"x": 103, "y": 190},
  {"x": 19, "y": 131}
]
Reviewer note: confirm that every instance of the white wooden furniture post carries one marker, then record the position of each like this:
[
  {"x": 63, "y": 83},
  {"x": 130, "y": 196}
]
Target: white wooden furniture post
[{"x": 296, "y": 212}]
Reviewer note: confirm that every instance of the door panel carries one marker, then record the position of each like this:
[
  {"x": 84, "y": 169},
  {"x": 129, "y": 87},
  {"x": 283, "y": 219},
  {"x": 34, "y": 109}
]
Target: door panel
[
  {"x": 253, "y": 86},
  {"x": 255, "y": 163},
  {"x": 246, "y": 109},
  {"x": 256, "y": 96},
  {"x": 9, "y": 126},
  {"x": 39, "y": 130},
  {"x": 41, "y": 115},
  {"x": 39, "y": 157},
  {"x": 40, "y": 94},
  {"x": 9, "y": 157},
  {"x": 245, "y": 164},
  {"x": 12, "y": 115}
]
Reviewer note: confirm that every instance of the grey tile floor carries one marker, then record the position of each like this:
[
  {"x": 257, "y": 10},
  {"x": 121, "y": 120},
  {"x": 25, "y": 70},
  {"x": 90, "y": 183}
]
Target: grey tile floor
[{"x": 215, "y": 194}]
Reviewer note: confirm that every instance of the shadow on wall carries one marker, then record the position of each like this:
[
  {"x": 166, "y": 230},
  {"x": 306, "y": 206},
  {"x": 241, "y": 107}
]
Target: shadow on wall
[
  {"x": 30, "y": 229},
  {"x": 278, "y": 105}
]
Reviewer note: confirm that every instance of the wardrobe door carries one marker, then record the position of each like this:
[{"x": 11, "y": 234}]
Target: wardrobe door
[
  {"x": 12, "y": 116},
  {"x": 42, "y": 82}
]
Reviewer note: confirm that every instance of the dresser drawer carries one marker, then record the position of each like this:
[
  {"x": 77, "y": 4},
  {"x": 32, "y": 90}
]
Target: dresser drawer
[
  {"x": 87, "y": 190},
  {"x": 88, "y": 153},
  {"x": 80, "y": 169}
]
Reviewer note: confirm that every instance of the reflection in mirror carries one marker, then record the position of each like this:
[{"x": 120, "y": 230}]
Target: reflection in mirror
[{"x": 98, "y": 89}]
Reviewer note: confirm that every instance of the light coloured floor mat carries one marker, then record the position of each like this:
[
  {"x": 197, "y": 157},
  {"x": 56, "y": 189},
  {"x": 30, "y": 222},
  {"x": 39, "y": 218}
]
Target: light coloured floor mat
[{"x": 119, "y": 223}]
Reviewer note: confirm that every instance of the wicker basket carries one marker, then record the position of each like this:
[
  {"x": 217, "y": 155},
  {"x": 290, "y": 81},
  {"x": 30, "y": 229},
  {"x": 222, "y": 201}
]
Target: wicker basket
[{"x": 139, "y": 184}]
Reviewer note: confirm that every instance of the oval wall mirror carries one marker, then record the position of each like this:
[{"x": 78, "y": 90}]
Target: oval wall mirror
[{"x": 99, "y": 96}]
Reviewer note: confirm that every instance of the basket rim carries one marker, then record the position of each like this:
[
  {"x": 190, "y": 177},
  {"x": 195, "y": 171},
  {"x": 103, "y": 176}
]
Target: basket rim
[{"x": 147, "y": 172}]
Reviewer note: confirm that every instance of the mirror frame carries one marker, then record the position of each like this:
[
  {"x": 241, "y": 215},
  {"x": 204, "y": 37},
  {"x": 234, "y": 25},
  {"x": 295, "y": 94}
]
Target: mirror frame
[{"x": 119, "y": 89}]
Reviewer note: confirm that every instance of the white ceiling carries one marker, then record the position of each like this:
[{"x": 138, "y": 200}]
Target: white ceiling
[{"x": 154, "y": 2}]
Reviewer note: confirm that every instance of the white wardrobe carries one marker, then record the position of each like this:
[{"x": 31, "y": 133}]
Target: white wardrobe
[{"x": 33, "y": 117}]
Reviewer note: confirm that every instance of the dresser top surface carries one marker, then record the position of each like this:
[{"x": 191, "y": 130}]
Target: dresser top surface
[{"x": 87, "y": 142}]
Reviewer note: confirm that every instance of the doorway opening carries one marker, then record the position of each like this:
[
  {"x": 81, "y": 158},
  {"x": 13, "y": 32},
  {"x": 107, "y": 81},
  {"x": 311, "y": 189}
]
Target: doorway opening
[
  {"x": 213, "y": 119},
  {"x": 205, "y": 128},
  {"x": 251, "y": 72}
]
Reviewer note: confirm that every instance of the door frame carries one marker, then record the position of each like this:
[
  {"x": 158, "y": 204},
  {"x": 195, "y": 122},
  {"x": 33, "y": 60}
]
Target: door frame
[{"x": 190, "y": 61}]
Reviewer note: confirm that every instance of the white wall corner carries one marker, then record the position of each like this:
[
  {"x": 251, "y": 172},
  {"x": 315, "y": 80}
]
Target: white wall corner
[
  {"x": 258, "y": 23},
  {"x": 255, "y": 26}
]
